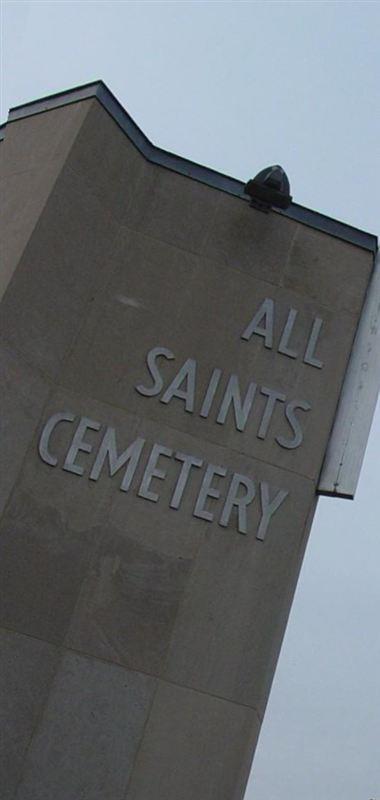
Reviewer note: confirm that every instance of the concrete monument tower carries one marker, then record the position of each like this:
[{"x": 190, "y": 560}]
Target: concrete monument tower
[{"x": 183, "y": 373}]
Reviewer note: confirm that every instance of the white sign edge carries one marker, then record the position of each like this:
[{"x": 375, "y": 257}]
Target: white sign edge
[{"x": 349, "y": 436}]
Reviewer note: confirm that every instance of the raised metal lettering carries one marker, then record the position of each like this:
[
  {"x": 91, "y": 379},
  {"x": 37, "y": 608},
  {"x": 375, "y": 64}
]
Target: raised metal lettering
[
  {"x": 240, "y": 503},
  {"x": 78, "y": 444},
  {"x": 108, "y": 450},
  {"x": 286, "y": 334},
  {"x": 207, "y": 490},
  {"x": 273, "y": 397},
  {"x": 232, "y": 395},
  {"x": 151, "y": 358},
  {"x": 43, "y": 446},
  {"x": 210, "y": 394},
  {"x": 291, "y": 444},
  {"x": 188, "y": 463},
  {"x": 185, "y": 375},
  {"x": 268, "y": 508},
  {"x": 309, "y": 357},
  {"x": 264, "y": 315},
  {"x": 151, "y": 471}
]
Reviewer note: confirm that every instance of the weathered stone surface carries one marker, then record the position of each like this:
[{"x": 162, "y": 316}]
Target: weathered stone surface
[
  {"x": 42, "y": 565},
  {"x": 173, "y": 209},
  {"x": 33, "y": 153},
  {"x": 225, "y": 638},
  {"x": 129, "y": 603},
  {"x": 107, "y": 162},
  {"x": 27, "y": 668},
  {"x": 87, "y": 738},
  {"x": 148, "y": 289},
  {"x": 22, "y": 397},
  {"x": 195, "y": 746},
  {"x": 31, "y": 142},
  {"x": 23, "y": 196},
  {"x": 324, "y": 268},
  {"x": 64, "y": 265},
  {"x": 245, "y": 239},
  {"x": 82, "y": 505}
]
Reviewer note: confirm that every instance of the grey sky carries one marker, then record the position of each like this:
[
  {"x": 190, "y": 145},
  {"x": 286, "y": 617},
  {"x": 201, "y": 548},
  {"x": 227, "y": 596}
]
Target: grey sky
[{"x": 238, "y": 86}]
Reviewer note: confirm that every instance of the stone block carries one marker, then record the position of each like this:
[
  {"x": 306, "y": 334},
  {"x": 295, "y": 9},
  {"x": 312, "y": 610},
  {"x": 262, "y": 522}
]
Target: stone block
[
  {"x": 195, "y": 746},
  {"x": 170, "y": 207},
  {"x": 42, "y": 565},
  {"x": 107, "y": 162},
  {"x": 129, "y": 602},
  {"x": 22, "y": 398},
  {"x": 27, "y": 669},
  {"x": 248, "y": 240},
  {"x": 31, "y": 142},
  {"x": 228, "y": 631},
  {"x": 32, "y": 155},
  {"x": 87, "y": 738},
  {"x": 23, "y": 197},
  {"x": 143, "y": 302},
  {"x": 326, "y": 269},
  {"x": 48, "y": 533},
  {"x": 63, "y": 267}
]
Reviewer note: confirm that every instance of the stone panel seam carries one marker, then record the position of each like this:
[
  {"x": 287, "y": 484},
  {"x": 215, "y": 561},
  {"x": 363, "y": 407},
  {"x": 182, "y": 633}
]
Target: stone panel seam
[
  {"x": 279, "y": 284},
  {"x": 85, "y": 395},
  {"x": 63, "y": 648},
  {"x": 43, "y": 207},
  {"x": 41, "y": 711},
  {"x": 161, "y": 681},
  {"x": 108, "y": 275},
  {"x": 292, "y": 583},
  {"x": 28, "y": 449},
  {"x": 138, "y": 748},
  {"x": 28, "y": 362},
  {"x": 233, "y": 269}
]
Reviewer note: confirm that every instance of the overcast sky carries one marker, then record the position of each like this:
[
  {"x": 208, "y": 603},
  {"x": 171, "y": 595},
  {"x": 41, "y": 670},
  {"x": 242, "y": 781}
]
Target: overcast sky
[{"x": 237, "y": 86}]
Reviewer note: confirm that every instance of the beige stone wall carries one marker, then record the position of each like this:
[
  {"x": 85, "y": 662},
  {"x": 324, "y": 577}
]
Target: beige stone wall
[{"x": 140, "y": 640}]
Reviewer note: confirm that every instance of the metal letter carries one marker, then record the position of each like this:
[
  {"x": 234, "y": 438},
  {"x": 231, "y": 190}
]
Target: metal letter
[
  {"x": 232, "y": 394},
  {"x": 266, "y": 314},
  {"x": 115, "y": 462},
  {"x": 241, "y": 503},
  {"x": 273, "y": 396},
  {"x": 286, "y": 334},
  {"x": 186, "y": 373},
  {"x": 210, "y": 394},
  {"x": 188, "y": 462},
  {"x": 43, "y": 447},
  {"x": 207, "y": 490},
  {"x": 294, "y": 423},
  {"x": 152, "y": 472},
  {"x": 309, "y": 357},
  {"x": 78, "y": 444},
  {"x": 268, "y": 508},
  {"x": 153, "y": 369}
]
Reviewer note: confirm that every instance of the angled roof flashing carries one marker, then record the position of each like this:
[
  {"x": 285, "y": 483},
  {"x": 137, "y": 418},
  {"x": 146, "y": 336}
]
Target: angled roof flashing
[{"x": 163, "y": 158}]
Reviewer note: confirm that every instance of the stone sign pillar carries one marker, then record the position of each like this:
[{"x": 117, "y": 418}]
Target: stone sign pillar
[{"x": 172, "y": 363}]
